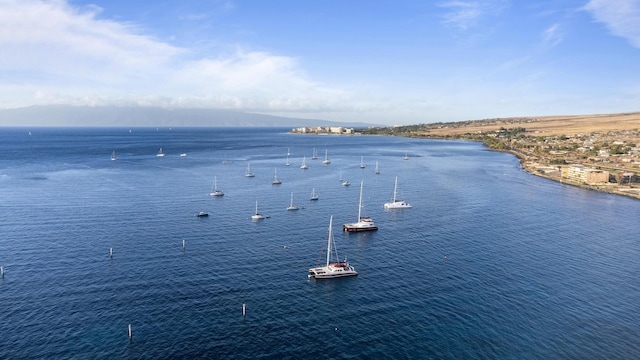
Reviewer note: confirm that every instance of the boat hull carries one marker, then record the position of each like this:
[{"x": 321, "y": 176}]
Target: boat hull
[{"x": 351, "y": 228}]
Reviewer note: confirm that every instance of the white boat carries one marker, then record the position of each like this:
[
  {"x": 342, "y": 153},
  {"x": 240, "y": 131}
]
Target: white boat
[
  {"x": 113, "y": 155},
  {"x": 160, "y": 153},
  {"x": 363, "y": 223},
  {"x": 288, "y": 153},
  {"x": 361, "y": 162},
  {"x": 214, "y": 188},
  {"x": 304, "y": 163},
  {"x": 314, "y": 196},
  {"x": 377, "y": 168},
  {"x": 333, "y": 267},
  {"x": 183, "y": 155},
  {"x": 276, "y": 181},
  {"x": 406, "y": 157},
  {"x": 257, "y": 215},
  {"x": 326, "y": 160},
  {"x": 202, "y": 214},
  {"x": 397, "y": 203},
  {"x": 249, "y": 173},
  {"x": 346, "y": 183},
  {"x": 314, "y": 155},
  {"x": 291, "y": 206}
]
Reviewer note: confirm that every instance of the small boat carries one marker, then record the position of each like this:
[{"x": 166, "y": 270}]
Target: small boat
[
  {"x": 183, "y": 154},
  {"x": 113, "y": 155},
  {"x": 363, "y": 223},
  {"x": 377, "y": 168},
  {"x": 406, "y": 157},
  {"x": 326, "y": 160},
  {"x": 202, "y": 214},
  {"x": 304, "y": 163},
  {"x": 257, "y": 215},
  {"x": 248, "y": 173},
  {"x": 160, "y": 153},
  {"x": 333, "y": 267},
  {"x": 346, "y": 183},
  {"x": 361, "y": 162},
  {"x": 314, "y": 196},
  {"x": 314, "y": 155},
  {"x": 276, "y": 181},
  {"x": 397, "y": 203},
  {"x": 214, "y": 188},
  {"x": 291, "y": 206},
  {"x": 288, "y": 153}
]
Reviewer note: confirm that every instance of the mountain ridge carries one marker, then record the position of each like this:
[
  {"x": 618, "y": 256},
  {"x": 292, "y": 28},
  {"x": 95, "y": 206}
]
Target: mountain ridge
[{"x": 114, "y": 116}]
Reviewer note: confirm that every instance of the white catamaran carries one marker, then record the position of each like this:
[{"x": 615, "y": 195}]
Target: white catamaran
[
  {"x": 364, "y": 223},
  {"x": 333, "y": 267},
  {"x": 397, "y": 203}
]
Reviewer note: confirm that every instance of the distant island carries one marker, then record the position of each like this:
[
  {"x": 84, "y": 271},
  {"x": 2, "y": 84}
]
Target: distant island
[{"x": 599, "y": 152}]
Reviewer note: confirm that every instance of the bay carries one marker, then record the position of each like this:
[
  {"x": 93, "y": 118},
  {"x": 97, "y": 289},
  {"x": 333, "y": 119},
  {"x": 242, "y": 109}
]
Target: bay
[{"x": 491, "y": 262}]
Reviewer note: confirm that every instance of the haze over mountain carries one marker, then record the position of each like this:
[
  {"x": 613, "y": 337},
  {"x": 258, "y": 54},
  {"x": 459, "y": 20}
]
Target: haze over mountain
[{"x": 65, "y": 115}]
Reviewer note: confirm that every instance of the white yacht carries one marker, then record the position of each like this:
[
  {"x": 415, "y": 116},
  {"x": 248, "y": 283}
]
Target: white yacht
[
  {"x": 326, "y": 160},
  {"x": 304, "y": 163},
  {"x": 257, "y": 215},
  {"x": 276, "y": 181},
  {"x": 291, "y": 206},
  {"x": 160, "y": 153},
  {"x": 113, "y": 155},
  {"x": 214, "y": 188},
  {"x": 363, "y": 223},
  {"x": 333, "y": 267},
  {"x": 248, "y": 173},
  {"x": 397, "y": 203}
]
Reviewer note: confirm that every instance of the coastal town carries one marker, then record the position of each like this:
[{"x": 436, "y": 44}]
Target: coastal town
[{"x": 598, "y": 152}]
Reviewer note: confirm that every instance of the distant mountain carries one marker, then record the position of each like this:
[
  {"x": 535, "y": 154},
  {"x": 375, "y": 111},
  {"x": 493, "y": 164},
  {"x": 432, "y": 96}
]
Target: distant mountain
[{"x": 105, "y": 116}]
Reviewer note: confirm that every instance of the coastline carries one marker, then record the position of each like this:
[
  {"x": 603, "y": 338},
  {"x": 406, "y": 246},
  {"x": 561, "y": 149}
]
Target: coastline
[{"x": 531, "y": 167}]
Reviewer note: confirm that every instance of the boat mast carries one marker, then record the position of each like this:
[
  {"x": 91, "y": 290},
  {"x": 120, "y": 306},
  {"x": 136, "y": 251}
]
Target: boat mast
[
  {"x": 329, "y": 240},
  {"x": 360, "y": 202},
  {"x": 395, "y": 189}
]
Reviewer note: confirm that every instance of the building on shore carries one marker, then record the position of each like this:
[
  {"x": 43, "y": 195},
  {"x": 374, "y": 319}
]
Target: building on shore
[{"x": 585, "y": 175}]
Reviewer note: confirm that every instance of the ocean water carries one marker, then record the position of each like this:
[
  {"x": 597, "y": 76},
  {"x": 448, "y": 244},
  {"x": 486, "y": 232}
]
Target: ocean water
[{"x": 490, "y": 263}]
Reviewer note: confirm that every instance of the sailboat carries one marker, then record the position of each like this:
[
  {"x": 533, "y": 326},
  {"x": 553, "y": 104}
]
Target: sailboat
[
  {"x": 364, "y": 223},
  {"x": 377, "y": 168},
  {"x": 304, "y": 163},
  {"x": 276, "y": 181},
  {"x": 326, "y": 160},
  {"x": 288, "y": 153},
  {"x": 113, "y": 155},
  {"x": 333, "y": 267},
  {"x": 406, "y": 157},
  {"x": 160, "y": 153},
  {"x": 397, "y": 203},
  {"x": 257, "y": 215},
  {"x": 214, "y": 189},
  {"x": 314, "y": 196},
  {"x": 249, "y": 173},
  {"x": 314, "y": 155},
  {"x": 361, "y": 162},
  {"x": 291, "y": 206}
]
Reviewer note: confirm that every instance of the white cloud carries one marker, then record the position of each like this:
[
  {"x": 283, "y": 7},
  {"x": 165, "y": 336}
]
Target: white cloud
[
  {"x": 54, "y": 52},
  {"x": 462, "y": 14},
  {"x": 467, "y": 14},
  {"x": 621, "y": 17},
  {"x": 552, "y": 36}
]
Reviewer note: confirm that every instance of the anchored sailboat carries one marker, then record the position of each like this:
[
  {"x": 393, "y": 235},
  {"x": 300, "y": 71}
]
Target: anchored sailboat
[
  {"x": 326, "y": 160},
  {"x": 397, "y": 203},
  {"x": 214, "y": 189},
  {"x": 249, "y": 173},
  {"x": 363, "y": 223},
  {"x": 333, "y": 267}
]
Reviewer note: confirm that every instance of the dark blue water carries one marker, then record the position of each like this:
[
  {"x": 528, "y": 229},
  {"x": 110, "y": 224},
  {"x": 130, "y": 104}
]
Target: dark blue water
[{"x": 490, "y": 263}]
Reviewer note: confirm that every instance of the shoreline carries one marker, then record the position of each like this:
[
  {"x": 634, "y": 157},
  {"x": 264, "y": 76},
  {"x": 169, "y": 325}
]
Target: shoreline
[{"x": 530, "y": 167}]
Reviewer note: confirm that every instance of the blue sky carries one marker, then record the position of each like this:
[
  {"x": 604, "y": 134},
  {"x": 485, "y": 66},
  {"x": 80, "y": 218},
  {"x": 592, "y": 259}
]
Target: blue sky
[{"x": 386, "y": 62}]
